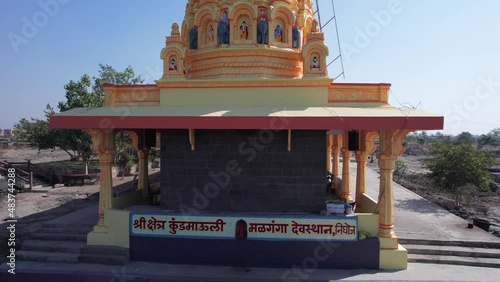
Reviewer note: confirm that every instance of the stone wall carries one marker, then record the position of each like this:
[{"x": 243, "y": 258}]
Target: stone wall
[{"x": 243, "y": 170}]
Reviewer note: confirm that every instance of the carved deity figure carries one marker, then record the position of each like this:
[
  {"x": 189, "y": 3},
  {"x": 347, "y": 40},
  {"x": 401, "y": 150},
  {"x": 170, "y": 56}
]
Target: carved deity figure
[
  {"x": 315, "y": 63},
  {"x": 210, "y": 33},
  {"x": 278, "y": 34},
  {"x": 193, "y": 38},
  {"x": 223, "y": 30},
  {"x": 244, "y": 30},
  {"x": 173, "y": 66},
  {"x": 296, "y": 37},
  {"x": 262, "y": 28},
  {"x": 315, "y": 26}
]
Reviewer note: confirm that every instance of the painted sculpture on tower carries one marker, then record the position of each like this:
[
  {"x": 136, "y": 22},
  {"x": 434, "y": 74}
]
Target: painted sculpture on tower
[
  {"x": 296, "y": 37},
  {"x": 210, "y": 33},
  {"x": 262, "y": 27},
  {"x": 278, "y": 34},
  {"x": 223, "y": 30},
  {"x": 244, "y": 30},
  {"x": 193, "y": 38},
  {"x": 173, "y": 66},
  {"x": 315, "y": 63}
]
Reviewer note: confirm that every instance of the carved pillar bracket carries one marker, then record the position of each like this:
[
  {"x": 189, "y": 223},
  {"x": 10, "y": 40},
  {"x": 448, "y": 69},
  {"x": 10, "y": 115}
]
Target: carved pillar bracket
[
  {"x": 367, "y": 147},
  {"x": 391, "y": 147},
  {"x": 103, "y": 144},
  {"x": 137, "y": 137}
]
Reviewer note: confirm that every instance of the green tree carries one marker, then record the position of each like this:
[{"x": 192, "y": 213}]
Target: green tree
[
  {"x": 454, "y": 167},
  {"x": 84, "y": 93},
  {"x": 464, "y": 138},
  {"x": 410, "y": 139},
  {"x": 495, "y": 132},
  {"x": 488, "y": 140},
  {"x": 441, "y": 138},
  {"x": 88, "y": 93},
  {"x": 423, "y": 138}
]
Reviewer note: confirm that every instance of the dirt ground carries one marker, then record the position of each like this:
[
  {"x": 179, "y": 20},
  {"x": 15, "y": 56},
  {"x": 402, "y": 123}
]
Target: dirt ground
[
  {"x": 47, "y": 203},
  {"x": 477, "y": 205},
  {"x": 22, "y": 154}
]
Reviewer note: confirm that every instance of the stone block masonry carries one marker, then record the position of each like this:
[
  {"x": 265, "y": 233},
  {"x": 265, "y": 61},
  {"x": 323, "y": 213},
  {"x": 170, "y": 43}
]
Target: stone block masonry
[{"x": 243, "y": 171}]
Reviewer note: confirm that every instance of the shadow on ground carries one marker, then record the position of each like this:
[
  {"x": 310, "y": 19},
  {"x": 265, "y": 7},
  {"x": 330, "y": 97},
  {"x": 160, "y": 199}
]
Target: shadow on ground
[{"x": 421, "y": 206}]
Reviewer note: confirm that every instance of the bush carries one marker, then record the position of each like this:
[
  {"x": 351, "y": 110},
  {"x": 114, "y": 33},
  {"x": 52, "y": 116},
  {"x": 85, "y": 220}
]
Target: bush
[
  {"x": 456, "y": 167},
  {"x": 400, "y": 170}
]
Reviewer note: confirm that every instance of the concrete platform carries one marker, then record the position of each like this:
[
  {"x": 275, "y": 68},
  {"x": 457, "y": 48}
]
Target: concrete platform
[
  {"x": 417, "y": 218},
  {"x": 151, "y": 272}
]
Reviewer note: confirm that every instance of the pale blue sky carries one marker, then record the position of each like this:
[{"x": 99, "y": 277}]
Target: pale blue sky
[{"x": 438, "y": 55}]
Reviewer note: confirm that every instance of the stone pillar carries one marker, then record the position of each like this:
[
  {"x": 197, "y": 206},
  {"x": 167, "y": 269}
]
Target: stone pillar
[
  {"x": 346, "y": 167},
  {"x": 367, "y": 147},
  {"x": 103, "y": 144},
  {"x": 106, "y": 190},
  {"x": 386, "y": 196},
  {"x": 337, "y": 144},
  {"x": 361, "y": 160},
  {"x": 144, "y": 173},
  {"x": 391, "y": 147},
  {"x": 329, "y": 147}
]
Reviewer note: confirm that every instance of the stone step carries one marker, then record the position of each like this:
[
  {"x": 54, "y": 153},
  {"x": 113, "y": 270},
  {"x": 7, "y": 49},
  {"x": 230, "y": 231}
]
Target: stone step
[
  {"x": 105, "y": 250},
  {"x": 52, "y": 246},
  {"x": 47, "y": 257},
  {"x": 455, "y": 260},
  {"x": 65, "y": 225},
  {"x": 473, "y": 244},
  {"x": 452, "y": 251},
  {"x": 65, "y": 230},
  {"x": 104, "y": 259},
  {"x": 59, "y": 237}
]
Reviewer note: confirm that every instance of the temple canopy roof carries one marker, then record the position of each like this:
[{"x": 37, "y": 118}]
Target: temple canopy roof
[{"x": 347, "y": 117}]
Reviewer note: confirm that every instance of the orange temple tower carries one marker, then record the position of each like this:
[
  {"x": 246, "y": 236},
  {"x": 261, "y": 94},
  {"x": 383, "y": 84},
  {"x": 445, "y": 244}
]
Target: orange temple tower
[{"x": 249, "y": 123}]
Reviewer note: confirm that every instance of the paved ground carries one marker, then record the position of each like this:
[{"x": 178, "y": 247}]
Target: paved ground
[
  {"x": 415, "y": 218},
  {"x": 139, "y": 271}
]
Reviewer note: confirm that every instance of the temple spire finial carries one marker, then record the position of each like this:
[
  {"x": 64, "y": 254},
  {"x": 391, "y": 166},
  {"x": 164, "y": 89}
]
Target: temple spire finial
[{"x": 175, "y": 30}]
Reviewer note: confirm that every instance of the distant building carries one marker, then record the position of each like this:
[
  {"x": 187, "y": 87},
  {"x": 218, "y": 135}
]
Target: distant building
[{"x": 8, "y": 132}]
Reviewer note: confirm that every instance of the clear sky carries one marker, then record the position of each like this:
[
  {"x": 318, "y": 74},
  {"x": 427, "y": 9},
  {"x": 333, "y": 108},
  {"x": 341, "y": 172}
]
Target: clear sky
[{"x": 440, "y": 56}]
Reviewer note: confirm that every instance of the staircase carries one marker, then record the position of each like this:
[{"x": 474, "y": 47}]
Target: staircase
[
  {"x": 66, "y": 243},
  {"x": 41, "y": 177},
  {"x": 28, "y": 175},
  {"x": 470, "y": 253}
]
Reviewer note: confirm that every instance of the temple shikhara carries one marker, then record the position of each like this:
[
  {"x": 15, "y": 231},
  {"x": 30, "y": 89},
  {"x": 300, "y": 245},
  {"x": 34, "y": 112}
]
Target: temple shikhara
[{"x": 249, "y": 123}]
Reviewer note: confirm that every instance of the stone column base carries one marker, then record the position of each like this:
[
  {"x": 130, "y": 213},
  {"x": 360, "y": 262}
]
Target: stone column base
[
  {"x": 388, "y": 243},
  {"x": 394, "y": 259},
  {"x": 115, "y": 232}
]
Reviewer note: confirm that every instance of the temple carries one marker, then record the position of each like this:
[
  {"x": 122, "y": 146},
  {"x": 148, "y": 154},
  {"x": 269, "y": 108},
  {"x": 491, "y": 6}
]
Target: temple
[{"x": 249, "y": 123}]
